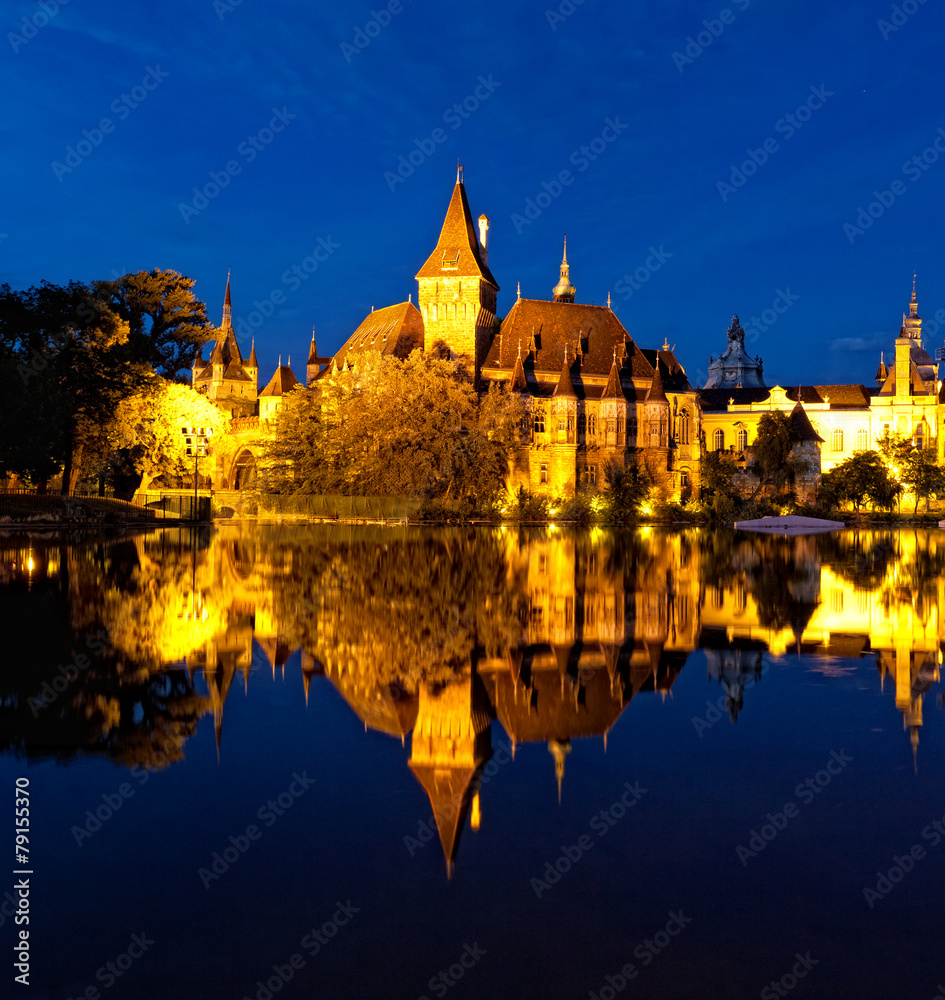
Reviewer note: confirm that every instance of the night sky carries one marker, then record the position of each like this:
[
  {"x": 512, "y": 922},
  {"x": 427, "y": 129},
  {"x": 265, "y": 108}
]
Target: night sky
[{"x": 314, "y": 107}]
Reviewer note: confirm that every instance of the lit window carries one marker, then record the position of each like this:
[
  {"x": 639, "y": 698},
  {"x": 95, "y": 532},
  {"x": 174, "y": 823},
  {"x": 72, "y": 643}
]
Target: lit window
[
  {"x": 862, "y": 441},
  {"x": 920, "y": 436},
  {"x": 838, "y": 440},
  {"x": 539, "y": 421},
  {"x": 742, "y": 440},
  {"x": 685, "y": 424},
  {"x": 719, "y": 439},
  {"x": 592, "y": 425}
]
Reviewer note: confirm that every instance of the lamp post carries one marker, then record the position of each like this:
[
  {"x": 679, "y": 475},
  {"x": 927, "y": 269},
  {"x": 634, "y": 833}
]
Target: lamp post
[{"x": 197, "y": 440}]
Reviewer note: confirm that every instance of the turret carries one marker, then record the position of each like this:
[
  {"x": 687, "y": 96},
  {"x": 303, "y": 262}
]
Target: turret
[{"x": 564, "y": 291}]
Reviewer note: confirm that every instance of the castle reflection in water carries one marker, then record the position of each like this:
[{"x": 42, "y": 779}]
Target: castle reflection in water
[{"x": 434, "y": 633}]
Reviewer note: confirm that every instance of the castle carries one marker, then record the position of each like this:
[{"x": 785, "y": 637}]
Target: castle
[{"x": 591, "y": 394}]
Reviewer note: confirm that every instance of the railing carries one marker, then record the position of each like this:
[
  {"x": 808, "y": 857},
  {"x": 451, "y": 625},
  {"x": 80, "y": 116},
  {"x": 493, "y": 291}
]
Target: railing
[{"x": 21, "y": 503}]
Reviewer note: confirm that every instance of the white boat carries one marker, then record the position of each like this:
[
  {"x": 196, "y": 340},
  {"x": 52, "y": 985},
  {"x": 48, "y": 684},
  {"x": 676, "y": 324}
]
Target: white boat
[{"x": 789, "y": 525}]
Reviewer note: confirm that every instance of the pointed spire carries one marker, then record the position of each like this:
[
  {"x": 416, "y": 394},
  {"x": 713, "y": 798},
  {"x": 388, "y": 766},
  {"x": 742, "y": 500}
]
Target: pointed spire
[
  {"x": 613, "y": 389},
  {"x": 518, "y": 383},
  {"x": 253, "y": 363},
  {"x": 227, "y": 305},
  {"x": 459, "y": 172},
  {"x": 608, "y": 300},
  {"x": 519, "y": 289},
  {"x": 913, "y": 285},
  {"x": 564, "y": 291},
  {"x": 313, "y": 350},
  {"x": 655, "y": 393},
  {"x": 565, "y": 386}
]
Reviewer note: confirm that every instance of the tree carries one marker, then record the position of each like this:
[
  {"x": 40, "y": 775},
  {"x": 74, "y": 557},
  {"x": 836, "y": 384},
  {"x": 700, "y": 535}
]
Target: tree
[
  {"x": 771, "y": 450},
  {"x": 922, "y": 475},
  {"x": 862, "y": 478},
  {"x": 627, "y": 487},
  {"x": 413, "y": 427},
  {"x": 167, "y": 324},
  {"x": 66, "y": 366},
  {"x": 147, "y": 426},
  {"x": 718, "y": 479}
]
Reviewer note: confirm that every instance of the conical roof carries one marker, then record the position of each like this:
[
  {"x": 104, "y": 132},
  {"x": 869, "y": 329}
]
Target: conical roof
[
  {"x": 281, "y": 382},
  {"x": 613, "y": 389},
  {"x": 565, "y": 386},
  {"x": 457, "y": 250},
  {"x": 801, "y": 425},
  {"x": 518, "y": 381},
  {"x": 655, "y": 393}
]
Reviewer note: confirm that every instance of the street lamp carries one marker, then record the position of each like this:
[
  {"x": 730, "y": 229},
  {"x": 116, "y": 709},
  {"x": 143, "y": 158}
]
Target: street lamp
[{"x": 197, "y": 440}]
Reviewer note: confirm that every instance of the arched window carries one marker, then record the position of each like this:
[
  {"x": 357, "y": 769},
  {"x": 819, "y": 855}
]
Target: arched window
[
  {"x": 862, "y": 441},
  {"x": 685, "y": 427},
  {"x": 592, "y": 425},
  {"x": 719, "y": 440},
  {"x": 539, "y": 421},
  {"x": 742, "y": 440},
  {"x": 838, "y": 440},
  {"x": 920, "y": 435}
]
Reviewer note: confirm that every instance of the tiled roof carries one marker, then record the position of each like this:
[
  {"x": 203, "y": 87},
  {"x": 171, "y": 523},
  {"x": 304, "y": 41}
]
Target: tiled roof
[
  {"x": 802, "y": 426},
  {"x": 394, "y": 330},
  {"x": 717, "y": 399},
  {"x": 458, "y": 245},
  {"x": 655, "y": 393},
  {"x": 559, "y": 324},
  {"x": 837, "y": 395},
  {"x": 282, "y": 381}
]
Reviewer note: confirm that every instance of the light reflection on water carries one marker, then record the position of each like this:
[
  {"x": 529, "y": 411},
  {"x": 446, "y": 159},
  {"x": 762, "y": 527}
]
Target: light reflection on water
[{"x": 637, "y": 703}]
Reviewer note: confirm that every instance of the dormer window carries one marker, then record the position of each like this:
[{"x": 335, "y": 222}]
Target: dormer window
[{"x": 450, "y": 260}]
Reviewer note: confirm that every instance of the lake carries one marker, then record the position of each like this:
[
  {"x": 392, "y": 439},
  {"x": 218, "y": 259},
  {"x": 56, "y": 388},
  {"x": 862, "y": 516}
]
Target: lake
[{"x": 365, "y": 761}]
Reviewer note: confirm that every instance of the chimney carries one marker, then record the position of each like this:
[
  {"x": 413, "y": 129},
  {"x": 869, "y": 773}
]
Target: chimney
[{"x": 483, "y": 230}]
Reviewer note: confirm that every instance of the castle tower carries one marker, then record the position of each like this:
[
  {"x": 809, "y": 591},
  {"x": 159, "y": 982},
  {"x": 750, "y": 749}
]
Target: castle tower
[
  {"x": 564, "y": 291},
  {"x": 457, "y": 291},
  {"x": 252, "y": 366},
  {"x": 655, "y": 436},
  {"x": 613, "y": 416}
]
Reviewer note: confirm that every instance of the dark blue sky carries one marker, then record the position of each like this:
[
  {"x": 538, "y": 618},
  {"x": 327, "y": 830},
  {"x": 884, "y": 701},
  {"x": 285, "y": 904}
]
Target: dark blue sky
[{"x": 219, "y": 72}]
